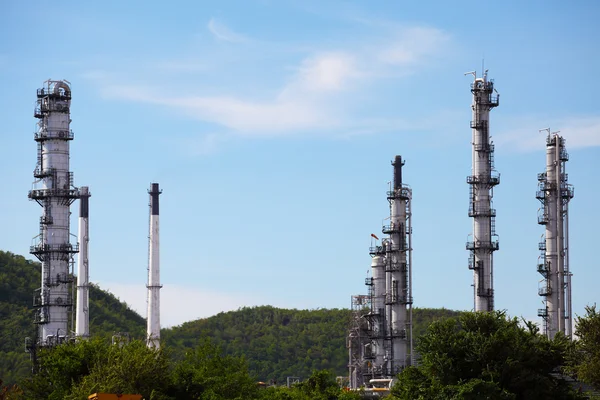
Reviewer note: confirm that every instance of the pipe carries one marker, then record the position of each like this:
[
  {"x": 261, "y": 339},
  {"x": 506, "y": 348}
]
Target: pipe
[{"x": 82, "y": 318}]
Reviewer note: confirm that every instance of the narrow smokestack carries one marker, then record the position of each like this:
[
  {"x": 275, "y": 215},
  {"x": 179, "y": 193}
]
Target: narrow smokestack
[
  {"x": 82, "y": 317},
  {"x": 153, "y": 317}
]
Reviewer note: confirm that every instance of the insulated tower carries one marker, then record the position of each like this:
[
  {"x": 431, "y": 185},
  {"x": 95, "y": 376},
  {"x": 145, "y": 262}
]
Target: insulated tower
[
  {"x": 482, "y": 181},
  {"x": 376, "y": 317},
  {"x": 82, "y": 316},
  {"x": 398, "y": 298},
  {"x": 153, "y": 317},
  {"x": 53, "y": 190},
  {"x": 555, "y": 193}
]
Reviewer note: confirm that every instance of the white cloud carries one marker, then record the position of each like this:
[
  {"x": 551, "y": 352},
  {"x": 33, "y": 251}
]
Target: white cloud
[
  {"x": 242, "y": 116},
  {"x": 320, "y": 96},
  {"x": 181, "y": 303},
  {"x": 326, "y": 72},
  {"x": 413, "y": 46},
  {"x": 579, "y": 132},
  {"x": 222, "y": 32}
]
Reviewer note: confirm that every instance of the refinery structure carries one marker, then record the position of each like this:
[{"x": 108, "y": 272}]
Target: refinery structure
[
  {"x": 484, "y": 240},
  {"x": 62, "y": 301},
  {"x": 54, "y": 191},
  {"x": 380, "y": 337},
  {"x": 380, "y": 340},
  {"x": 555, "y": 193}
]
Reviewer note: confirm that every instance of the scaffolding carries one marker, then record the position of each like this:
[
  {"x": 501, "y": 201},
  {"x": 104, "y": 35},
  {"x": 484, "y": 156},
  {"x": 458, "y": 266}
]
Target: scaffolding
[{"x": 358, "y": 343}]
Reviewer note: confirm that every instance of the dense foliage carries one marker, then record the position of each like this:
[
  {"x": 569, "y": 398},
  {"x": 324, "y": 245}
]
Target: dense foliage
[
  {"x": 18, "y": 280},
  {"x": 486, "y": 356},
  {"x": 72, "y": 371},
  {"x": 277, "y": 342},
  {"x": 585, "y": 362},
  {"x": 281, "y": 342}
]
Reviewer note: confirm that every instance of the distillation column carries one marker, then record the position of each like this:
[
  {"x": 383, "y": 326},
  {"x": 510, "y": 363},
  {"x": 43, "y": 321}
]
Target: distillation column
[
  {"x": 82, "y": 317},
  {"x": 555, "y": 193},
  {"x": 153, "y": 317},
  {"x": 398, "y": 297},
  {"x": 482, "y": 182},
  {"x": 376, "y": 317},
  {"x": 53, "y": 190}
]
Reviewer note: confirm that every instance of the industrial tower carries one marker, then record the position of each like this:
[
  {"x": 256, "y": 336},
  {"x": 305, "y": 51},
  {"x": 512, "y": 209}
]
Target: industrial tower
[
  {"x": 376, "y": 318},
  {"x": 380, "y": 339},
  {"x": 53, "y": 190},
  {"x": 398, "y": 271},
  {"x": 555, "y": 193},
  {"x": 482, "y": 181},
  {"x": 82, "y": 316},
  {"x": 153, "y": 317}
]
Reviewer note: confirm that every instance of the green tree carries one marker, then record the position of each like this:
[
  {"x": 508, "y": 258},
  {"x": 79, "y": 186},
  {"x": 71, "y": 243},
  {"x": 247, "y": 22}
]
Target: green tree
[
  {"x": 321, "y": 385},
  {"x": 585, "y": 363},
  {"x": 76, "y": 370},
  {"x": 205, "y": 373},
  {"x": 485, "y": 356}
]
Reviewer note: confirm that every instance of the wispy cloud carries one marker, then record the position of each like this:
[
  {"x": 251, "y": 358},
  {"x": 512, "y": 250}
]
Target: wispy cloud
[
  {"x": 315, "y": 97},
  {"x": 579, "y": 131},
  {"x": 224, "y": 33},
  {"x": 325, "y": 72},
  {"x": 413, "y": 46}
]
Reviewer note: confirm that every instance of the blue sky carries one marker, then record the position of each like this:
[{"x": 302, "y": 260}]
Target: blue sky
[{"x": 270, "y": 126}]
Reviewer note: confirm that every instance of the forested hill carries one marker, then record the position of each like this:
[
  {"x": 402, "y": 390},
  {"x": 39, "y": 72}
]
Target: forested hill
[
  {"x": 18, "y": 280},
  {"x": 276, "y": 342}
]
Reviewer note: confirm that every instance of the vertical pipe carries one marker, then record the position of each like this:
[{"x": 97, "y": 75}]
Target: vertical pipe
[
  {"x": 153, "y": 327},
  {"x": 82, "y": 320},
  {"x": 560, "y": 288},
  {"x": 410, "y": 315}
]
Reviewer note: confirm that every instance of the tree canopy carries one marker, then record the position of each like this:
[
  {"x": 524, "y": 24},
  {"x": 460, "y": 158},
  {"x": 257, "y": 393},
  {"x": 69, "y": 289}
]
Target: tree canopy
[
  {"x": 486, "y": 356},
  {"x": 73, "y": 371},
  {"x": 585, "y": 361}
]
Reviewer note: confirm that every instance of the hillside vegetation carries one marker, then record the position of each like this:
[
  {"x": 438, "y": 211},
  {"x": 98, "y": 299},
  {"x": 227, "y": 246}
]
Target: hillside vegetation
[
  {"x": 276, "y": 343},
  {"x": 18, "y": 280}
]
